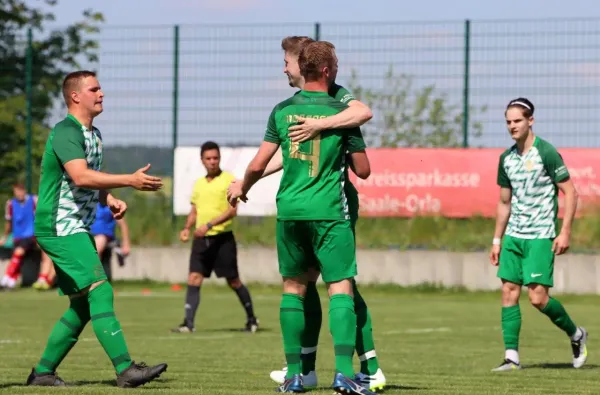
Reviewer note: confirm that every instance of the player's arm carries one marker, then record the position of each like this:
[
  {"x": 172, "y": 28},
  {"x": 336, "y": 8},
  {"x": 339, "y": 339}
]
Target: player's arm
[
  {"x": 228, "y": 214},
  {"x": 275, "y": 164},
  {"x": 502, "y": 213},
  {"x": 191, "y": 218},
  {"x": 357, "y": 114},
  {"x": 359, "y": 161},
  {"x": 126, "y": 241},
  {"x": 257, "y": 166},
  {"x": 8, "y": 219},
  {"x": 571, "y": 197},
  {"x": 69, "y": 147}
]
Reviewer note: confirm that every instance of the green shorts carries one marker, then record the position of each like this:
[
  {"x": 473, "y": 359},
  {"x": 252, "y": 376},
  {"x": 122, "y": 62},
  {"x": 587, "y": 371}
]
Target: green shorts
[
  {"x": 527, "y": 261},
  {"x": 75, "y": 259},
  {"x": 328, "y": 244}
]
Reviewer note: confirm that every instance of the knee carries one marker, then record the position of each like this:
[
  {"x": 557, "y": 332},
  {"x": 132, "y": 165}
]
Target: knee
[
  {"x": 343, "y": 287},
  {"x": 510, "y": 294},
  {"x": 234, "y": 283},
  {"x": 295, "y": 285},
  {"x": 538, "y": 297},
  {"x": 195, "y": 279}
]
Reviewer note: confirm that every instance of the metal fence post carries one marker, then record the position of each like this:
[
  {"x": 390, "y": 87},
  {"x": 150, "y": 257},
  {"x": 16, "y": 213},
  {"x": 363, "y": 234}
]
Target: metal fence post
[
  {"x": 175, "y": 116},
  {"x": 465, "y": 125},
  {"x": 28, "y": 105},
  {"x": 317, "y": 31}
]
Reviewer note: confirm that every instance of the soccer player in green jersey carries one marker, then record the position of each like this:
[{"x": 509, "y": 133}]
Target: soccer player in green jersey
[
  {"x": 71, "y": 184},
  {"x": 313, "y": 220},
  {"x": 357, "y": 113},
  {"x": 527, "y": 238}
]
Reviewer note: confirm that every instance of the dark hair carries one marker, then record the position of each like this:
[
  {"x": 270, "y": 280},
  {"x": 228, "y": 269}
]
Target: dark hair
[
  {"x": 527, "y": 107},
  {"x": 72, "y": 80},
  {"x": 19, "y": 185},
  {"x": 209, "y": 145}
]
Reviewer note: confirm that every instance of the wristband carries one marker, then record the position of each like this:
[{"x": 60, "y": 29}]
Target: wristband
[
  {"x": 496, "y": 241},
  {"x": 209, "y": 225}
]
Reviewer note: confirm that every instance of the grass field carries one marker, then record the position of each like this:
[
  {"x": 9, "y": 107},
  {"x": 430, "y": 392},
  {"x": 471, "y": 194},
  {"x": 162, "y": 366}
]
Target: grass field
[{"x": 428, "y": 342}]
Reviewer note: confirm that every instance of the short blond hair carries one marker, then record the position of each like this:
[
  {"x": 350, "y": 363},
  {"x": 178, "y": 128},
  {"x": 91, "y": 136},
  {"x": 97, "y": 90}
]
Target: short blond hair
[
  {"x": 294, "y": 44},
  {"x": 314, "y": 57}
]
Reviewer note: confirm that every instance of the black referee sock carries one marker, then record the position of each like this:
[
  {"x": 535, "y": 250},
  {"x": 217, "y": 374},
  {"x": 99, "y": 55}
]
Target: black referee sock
[
  {"x": 244, "y": 295},
  {"x": 192, "y": 300}
]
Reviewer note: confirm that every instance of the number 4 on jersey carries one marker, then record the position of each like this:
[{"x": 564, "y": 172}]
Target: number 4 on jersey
[{"x": 312, "y": 157}]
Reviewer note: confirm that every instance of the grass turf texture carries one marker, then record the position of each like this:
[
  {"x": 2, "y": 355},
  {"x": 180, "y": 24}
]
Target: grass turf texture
[{"x": 429, "y": 341}]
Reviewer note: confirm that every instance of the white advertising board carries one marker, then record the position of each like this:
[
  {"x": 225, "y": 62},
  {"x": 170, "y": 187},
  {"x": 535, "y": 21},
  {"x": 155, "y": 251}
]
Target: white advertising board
[{"x": 188, "y": 169}]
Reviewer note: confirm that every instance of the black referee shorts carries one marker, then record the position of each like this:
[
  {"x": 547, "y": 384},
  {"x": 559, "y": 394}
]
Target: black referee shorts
[{"x": 215, "y": 253}]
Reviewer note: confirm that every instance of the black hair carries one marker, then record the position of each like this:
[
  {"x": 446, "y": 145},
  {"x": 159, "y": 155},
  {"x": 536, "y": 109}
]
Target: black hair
[
  {"x": 527, "y": 107},
  {"x": 209, "y": 145}
]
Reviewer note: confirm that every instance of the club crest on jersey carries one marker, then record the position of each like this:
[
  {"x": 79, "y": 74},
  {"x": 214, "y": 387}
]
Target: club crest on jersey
[{"x": 529, "y": 165}]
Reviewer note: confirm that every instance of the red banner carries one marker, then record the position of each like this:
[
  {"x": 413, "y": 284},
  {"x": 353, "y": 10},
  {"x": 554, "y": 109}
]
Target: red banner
[{"x": 457, "y": 183}]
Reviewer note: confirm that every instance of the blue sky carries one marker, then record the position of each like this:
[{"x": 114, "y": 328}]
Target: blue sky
[{"x": 231, "y": 75}]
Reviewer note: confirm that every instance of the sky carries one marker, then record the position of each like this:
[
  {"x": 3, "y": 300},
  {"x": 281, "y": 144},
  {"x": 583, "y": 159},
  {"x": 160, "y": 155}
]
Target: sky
[{"x": 231, "y": 65}]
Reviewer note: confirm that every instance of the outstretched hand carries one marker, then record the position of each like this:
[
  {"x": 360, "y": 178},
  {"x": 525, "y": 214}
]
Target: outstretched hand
[
  {"x": 143, "y": 182},
  {"x": 235, "y": 193}
]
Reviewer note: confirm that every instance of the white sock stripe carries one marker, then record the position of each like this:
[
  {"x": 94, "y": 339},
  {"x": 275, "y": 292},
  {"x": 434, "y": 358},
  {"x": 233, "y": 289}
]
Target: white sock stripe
[
  {"x": 367, "y": 355},
  {"x": 309, "y": 350}
]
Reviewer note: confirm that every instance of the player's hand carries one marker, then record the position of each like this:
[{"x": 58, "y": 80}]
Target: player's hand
[
  {"x": 235, "y": 193},
  {"x": 560, "y": 244},
  {"x": 2, "y": 241},
  {"x": 306, "y": 129},
  {"x": 184, "y": 235},
  {"x": 143, "y": 182},
  {"x": 117, "y": 207},
  {"x": 495, "y": 255},
  {"x": 201, "y": 231},
  {"x": 125, "y": 249}
]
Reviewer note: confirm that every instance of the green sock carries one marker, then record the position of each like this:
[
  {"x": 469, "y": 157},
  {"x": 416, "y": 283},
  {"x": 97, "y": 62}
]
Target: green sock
[
  {"x": 291, "y": 319},
  {"x": 511, "y": 327},
  {"x": 106, "y": 326},
  {"x": 365, "y": 344},
  {"x": 64, "y": 335},
  {"x": 313, "y": 317},
  {"x": 342, "y": 325},
  {"x": 558, "y": 315}
]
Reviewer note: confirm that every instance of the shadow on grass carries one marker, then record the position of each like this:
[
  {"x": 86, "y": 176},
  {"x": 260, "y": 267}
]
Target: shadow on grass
[{"x": 558, "y": 366}]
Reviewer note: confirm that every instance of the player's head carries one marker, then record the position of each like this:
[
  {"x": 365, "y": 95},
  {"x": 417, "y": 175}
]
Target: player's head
[
  {"x": 81, "y": 90},
  {"x": 318, "y": 62},
  {"x": 19, "y": 191},
  {"x": 210, "y": 154},
  {"x": 292, "y": 46},
  {"x": 519, "y": 118}
]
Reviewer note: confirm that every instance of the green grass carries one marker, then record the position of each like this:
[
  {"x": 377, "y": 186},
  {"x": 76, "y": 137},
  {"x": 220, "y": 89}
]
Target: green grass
[{"x": 429, "y": 341}]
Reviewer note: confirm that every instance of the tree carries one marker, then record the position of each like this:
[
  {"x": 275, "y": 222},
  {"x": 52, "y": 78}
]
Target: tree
[
  {"x": 54, "y": 54},
  {"x": 409, "y": 116}
]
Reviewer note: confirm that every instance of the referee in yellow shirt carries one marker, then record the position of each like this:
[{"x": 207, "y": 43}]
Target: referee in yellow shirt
[{"x": 213, "y": 247}]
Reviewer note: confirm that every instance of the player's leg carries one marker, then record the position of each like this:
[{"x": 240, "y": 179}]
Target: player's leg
[
  {"x": 538, "y": 271},
  {"x": 200, "y": 267},
  {"x": 511, "y": 274},
  {"x": 226, "y": 265},
  {"x": 46, "y": 275},
  {"x": 371, "y": 376},
  {"x": 334, "y": 246},
  {"x": 13, "y": 269},
  {"x": 101, "y": 242},
  {"x": 313, "y": 318},
  {"x": 80, "y": 272},
  {"x": 291, "y": 237}
]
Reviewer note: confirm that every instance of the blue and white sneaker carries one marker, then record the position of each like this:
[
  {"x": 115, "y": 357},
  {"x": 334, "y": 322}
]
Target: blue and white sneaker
[
  {"x": 294, "y": 385},
  {"x": 344, "y": 385}
]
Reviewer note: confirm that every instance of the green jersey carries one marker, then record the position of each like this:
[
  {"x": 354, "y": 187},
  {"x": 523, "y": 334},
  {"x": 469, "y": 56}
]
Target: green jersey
[
  {"x": 532, "y": 178},
  {"x": 314, "y": 172},
  {"x": 63, "y": 208}
]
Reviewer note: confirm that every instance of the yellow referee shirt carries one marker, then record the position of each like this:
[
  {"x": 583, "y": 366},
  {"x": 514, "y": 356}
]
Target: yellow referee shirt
[{"x": 210, "y": 199}]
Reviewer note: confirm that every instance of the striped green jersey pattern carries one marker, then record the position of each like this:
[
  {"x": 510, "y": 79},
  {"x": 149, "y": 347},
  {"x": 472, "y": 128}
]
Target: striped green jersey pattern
[{"x": 533, "y": 179}]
